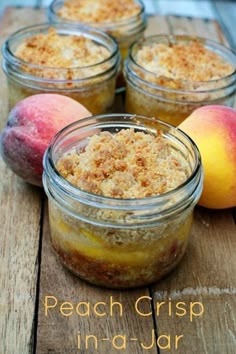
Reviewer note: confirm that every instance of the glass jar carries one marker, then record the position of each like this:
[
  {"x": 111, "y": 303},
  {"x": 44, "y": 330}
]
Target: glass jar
[
  {"x": 114, "y": 242},
  {"x": 91, "y": 85},
  {"x": 175, "y": 99},
  {"x": 125, "y": 31}
]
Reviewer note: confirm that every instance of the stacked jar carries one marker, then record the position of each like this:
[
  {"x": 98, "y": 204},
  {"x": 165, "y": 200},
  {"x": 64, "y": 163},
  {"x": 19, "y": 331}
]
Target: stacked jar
[
  {"x": 124, "y": 20},
  {"x": 77, "y": 61},
  {"x": 169, "y": 76}
]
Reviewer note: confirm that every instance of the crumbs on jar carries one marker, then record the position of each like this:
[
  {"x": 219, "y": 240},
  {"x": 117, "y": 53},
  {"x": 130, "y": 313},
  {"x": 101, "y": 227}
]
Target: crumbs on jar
[
  {"x": 190, "y": 61},
  {"x": 126, "y": 165},
  {"x": 98, "y": 11},
  {"x": 52, "y": 50}
]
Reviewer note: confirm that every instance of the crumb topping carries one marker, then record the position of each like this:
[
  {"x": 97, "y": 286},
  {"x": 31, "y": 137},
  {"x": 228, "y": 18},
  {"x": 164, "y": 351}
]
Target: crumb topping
[
  {"x": 98, "y": 11},
  {"x": 182, "y": 61},
  {"x": 61, "y": 51},
  {"x": 127, "y": 164}
]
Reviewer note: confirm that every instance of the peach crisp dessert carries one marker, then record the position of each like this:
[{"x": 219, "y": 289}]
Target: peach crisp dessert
[
  {"x": 92, "y": 11},
  {"x": 54, "y": 50},
  {"x": 116, "y": 231},
  {"x": 170, "y": 76},
  {"x": 123, "y": 19},
  {"x": 126, "y": 165},
  {"x": 79, "y": 62}
]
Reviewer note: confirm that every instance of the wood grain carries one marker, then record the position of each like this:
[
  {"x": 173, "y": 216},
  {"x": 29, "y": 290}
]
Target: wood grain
[
  {"x": 207, "y": 272},
  {"x": 197, "y": 27},
  {"x": 207, "y": 275},
  {"x": 20, "y": 230},
  {"x": 156, "y": 25}
]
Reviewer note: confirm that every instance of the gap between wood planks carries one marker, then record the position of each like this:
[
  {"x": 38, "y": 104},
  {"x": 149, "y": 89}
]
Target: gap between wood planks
[{"x": 35, "y": 319}]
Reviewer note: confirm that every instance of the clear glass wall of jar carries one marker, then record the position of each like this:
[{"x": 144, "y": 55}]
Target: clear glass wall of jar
[
  {"x": 126, "y": 31},
  {"x": 91, "y": 85},
  {"x": 168, "y": 102},
  {"x": 113, "y": 242}
]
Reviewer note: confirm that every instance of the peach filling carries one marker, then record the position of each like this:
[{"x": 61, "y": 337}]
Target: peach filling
[
  {"x": 93, "y": 246},
  {"x": 98, "y": 99},
  {"x": 127, "y": 264}
]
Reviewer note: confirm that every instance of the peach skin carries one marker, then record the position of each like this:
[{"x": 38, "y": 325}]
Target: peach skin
[
  {"x": 213, "y": 129},
  {"x": 31, "y": 125}
]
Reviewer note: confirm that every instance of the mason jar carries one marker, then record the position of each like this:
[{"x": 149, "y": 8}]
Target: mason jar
[
  {"x": 93, "y": 84},
  {"x": 125, "y": 27},
  {"x": 115, "y": 242},
  {"x": 173, "y": 99}
]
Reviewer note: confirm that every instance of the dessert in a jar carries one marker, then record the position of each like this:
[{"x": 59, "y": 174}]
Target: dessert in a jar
[
  {"x": 169, "y": 76},
  {"x": 79, "y": 62},
  {"x": 121, "y": 191},
  {"x": 123, "y": 19}
]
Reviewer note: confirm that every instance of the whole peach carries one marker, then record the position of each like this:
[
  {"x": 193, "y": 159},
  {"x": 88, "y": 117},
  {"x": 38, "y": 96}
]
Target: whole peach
[
  {"x": 213, "y": 128},
  {"x": 31, "y": 125}
]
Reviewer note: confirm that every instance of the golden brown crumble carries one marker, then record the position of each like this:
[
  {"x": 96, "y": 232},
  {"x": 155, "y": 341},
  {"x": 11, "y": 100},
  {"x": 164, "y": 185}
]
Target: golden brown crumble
[
  {"x": 98, "y": 11},
  {"x": 59, "y": 51},
  {"x": 127, "y": 164},
  {"x": 181, "y": 61}
]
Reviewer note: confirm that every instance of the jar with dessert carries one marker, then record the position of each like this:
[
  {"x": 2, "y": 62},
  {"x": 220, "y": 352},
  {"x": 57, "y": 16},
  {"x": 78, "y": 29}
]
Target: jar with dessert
[
  {"x": 121, "y": 191},
  {"x": 77, "y": 61},
  {"x": 125, "y": 20},
  {"x": 169, "y": 76}
]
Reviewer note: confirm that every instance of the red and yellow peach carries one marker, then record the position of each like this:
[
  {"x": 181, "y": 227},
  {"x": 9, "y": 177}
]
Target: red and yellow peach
[
  {"x": 31, "y": 125},
  {"x": 213, "y": 128}
]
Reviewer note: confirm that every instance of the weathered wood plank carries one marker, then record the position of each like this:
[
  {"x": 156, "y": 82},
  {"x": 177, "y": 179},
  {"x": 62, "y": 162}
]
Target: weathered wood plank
[
  {"x": 211, "y": 333},
  {"x": 20, "y": 230},
  {"x": 197, "y": 27},
  {"x": 207, "y": 271},
  {"x": 156, "y": 25},
  {"x": 209, "y": 260},
  {"x": 206, "y": 275}
]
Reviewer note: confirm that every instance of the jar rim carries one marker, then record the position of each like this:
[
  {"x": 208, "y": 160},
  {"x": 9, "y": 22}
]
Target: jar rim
[
  {"x": 109, "y": 24},
  {"x": 118, "y": 203},
  {"x": 173, "y": 38},
  {"x": 85, "y": 30}
]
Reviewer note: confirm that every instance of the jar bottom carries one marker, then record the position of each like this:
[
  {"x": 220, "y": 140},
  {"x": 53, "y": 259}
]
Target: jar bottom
[{"x": 120, "y": 276}]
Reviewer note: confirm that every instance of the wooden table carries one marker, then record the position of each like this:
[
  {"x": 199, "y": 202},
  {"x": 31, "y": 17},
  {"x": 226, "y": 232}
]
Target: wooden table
[{"x": 30, "y": 272}]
